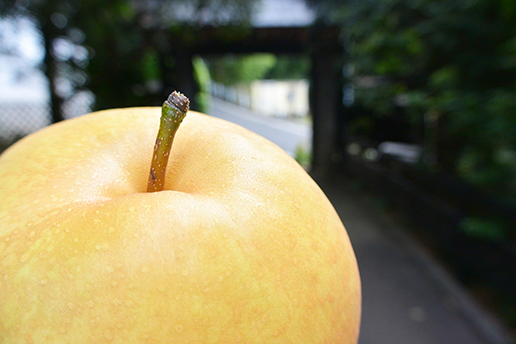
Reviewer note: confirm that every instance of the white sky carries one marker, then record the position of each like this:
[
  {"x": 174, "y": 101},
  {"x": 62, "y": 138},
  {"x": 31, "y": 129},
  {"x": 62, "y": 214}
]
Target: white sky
[{"x": 21, "y": 53}]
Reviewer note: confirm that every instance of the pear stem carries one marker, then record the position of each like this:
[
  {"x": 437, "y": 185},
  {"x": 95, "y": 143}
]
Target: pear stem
[{"x": 173, "y": 112}]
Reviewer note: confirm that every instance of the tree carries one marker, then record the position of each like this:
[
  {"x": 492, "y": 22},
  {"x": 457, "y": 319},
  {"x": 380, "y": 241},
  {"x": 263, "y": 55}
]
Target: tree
[
  {"x": 129, "y": 50},
  {"x": 233, "y": 69},
  {"x": 52, "y": 22},
  {"x": 451, "y": 67}
]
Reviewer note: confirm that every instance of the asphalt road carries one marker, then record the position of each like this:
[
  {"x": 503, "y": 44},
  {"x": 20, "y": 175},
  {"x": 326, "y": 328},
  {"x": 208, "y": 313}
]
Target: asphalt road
[{"x": 286, "y": 134}]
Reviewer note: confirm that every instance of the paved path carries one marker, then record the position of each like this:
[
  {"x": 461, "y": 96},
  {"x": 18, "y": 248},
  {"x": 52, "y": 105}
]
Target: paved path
[
  {"x": 288, "y": 135},
  {"x": 407, "y": 297}
]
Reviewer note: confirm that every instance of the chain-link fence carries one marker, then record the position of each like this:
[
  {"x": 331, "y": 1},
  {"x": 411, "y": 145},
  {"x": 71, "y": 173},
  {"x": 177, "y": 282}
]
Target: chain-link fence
[{"x": 19, "y": 119}]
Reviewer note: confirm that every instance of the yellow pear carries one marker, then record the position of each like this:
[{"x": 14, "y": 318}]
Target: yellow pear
[{"x": 241, "y": 246}]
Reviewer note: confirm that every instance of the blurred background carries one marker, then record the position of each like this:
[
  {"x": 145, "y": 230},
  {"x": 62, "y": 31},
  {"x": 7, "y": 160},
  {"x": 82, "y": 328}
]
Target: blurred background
[{"x": 405, "y": 109}]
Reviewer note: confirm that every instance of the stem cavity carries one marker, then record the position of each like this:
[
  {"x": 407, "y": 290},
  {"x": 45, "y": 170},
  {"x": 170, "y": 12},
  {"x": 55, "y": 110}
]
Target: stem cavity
[{"x": 173, "y": 112}]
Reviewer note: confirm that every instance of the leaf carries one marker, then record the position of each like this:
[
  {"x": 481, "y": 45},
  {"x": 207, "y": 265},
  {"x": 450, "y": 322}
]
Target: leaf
[{"x": 483, "y": 228}]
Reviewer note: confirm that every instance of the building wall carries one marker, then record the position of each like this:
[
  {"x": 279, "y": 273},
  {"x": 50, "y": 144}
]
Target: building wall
[{"x": 288, "y": 98}]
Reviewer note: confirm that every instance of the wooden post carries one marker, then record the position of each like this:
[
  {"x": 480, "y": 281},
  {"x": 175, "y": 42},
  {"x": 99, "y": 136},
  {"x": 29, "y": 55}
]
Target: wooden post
[{"x": 325, "y": 104}]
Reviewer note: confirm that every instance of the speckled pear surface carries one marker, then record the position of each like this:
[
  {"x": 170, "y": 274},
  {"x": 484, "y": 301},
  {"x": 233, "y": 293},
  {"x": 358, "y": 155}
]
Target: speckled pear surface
[{"x": 241, "y": 247}]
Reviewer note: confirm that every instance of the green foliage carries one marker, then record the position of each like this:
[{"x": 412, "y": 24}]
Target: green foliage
[
  {"x": 232, "y": 69},
  {"x": 303, "y": 157},
  {"x": 150, "y": 67},
  {"x": 202, "y": 74},
  {"x": 235, "y": 69},
  {"x": 203, "y": 79},
  {"x": 453, "y": 62},
  {"x": 483, "y": 228},
  {"x": 289, "y": 67}
]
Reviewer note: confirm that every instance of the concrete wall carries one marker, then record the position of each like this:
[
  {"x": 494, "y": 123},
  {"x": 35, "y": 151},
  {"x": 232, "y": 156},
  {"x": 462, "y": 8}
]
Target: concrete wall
[
  {"x": 276, "y": 98},
  {"x": 282, "y": 99}
]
